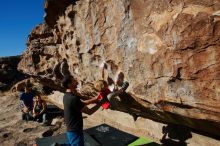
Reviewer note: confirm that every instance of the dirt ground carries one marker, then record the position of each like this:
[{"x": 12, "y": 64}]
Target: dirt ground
[{"x": 16, "y": 132}]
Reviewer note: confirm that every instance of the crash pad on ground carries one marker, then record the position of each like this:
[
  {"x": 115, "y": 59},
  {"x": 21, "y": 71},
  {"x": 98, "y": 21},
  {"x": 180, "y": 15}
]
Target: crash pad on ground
[
  {"x": 110, "y": 136},
  {"x": 102, "y": 135},
  {"x": 142, "y": 141},
  {"x": 62, "y": 138}
]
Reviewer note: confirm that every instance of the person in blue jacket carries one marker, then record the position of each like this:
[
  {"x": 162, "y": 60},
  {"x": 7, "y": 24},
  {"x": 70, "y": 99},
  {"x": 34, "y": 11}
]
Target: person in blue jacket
[{"x": 26, "y": 102}]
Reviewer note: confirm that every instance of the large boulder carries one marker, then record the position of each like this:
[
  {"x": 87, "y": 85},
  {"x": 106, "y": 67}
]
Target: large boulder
[
  {"x": 169, "y": 51},
  {"x": 8, "y": 71}
]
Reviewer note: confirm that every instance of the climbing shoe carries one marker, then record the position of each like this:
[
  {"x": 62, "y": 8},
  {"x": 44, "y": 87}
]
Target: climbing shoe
[{"x": 124, "y": 86}]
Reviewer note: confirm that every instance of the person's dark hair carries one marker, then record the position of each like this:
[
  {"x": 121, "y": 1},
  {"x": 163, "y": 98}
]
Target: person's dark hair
[
  {"x": 35, "y": 92},
  {"x": 28, "y": 85},
  {"x": 66, "y": 81}
]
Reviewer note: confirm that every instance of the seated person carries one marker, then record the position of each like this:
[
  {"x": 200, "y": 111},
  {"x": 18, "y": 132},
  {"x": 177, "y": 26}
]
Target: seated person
[
  {"x": 26, "y": 102},
  {"x": 39, "y": 109}
]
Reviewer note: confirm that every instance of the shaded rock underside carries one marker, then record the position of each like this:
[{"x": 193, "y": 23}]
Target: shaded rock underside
[{"x": 8, "y": 71}]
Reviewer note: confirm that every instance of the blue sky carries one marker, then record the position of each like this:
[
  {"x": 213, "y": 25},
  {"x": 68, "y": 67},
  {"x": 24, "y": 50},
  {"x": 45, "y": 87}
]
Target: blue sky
[{"x": 17, "y": 19}]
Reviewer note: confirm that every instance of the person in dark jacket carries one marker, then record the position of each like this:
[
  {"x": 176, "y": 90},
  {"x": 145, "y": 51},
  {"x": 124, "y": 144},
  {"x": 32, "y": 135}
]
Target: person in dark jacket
[
  {"x": 26, "y": 102},
  {"x": 73, "y": 107}
]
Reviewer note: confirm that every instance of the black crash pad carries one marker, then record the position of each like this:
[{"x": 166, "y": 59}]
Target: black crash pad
[
  {"x": 62, "y": 138},
  {"x": 110, "y": 136},
  {"x": 102, "y": 135}
]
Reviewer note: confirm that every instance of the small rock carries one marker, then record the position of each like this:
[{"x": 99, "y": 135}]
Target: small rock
[
  {"x": 6, "y": 135},
  {"x": 28, "y": 130}
]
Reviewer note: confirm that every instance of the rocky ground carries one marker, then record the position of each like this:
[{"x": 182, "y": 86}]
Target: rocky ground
[{"x": 14, "y": 131}]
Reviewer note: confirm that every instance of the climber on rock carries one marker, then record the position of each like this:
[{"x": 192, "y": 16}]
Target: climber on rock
[{"x": 105, "y": 94}]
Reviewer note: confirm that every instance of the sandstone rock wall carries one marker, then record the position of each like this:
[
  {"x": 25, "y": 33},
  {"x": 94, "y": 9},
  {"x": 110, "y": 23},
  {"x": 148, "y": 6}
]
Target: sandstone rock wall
[
  {"x": 8, "y": 71},
  {"x": 169, "y": 51}
]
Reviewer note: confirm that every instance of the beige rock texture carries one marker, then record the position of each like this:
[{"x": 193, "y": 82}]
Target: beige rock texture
[{"x": 169, "y": 51}]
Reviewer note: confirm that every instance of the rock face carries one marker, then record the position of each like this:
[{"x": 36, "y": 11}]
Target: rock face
[
  {"x": 8, "y": 71},
  {"x": 169, "y": 51}
]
